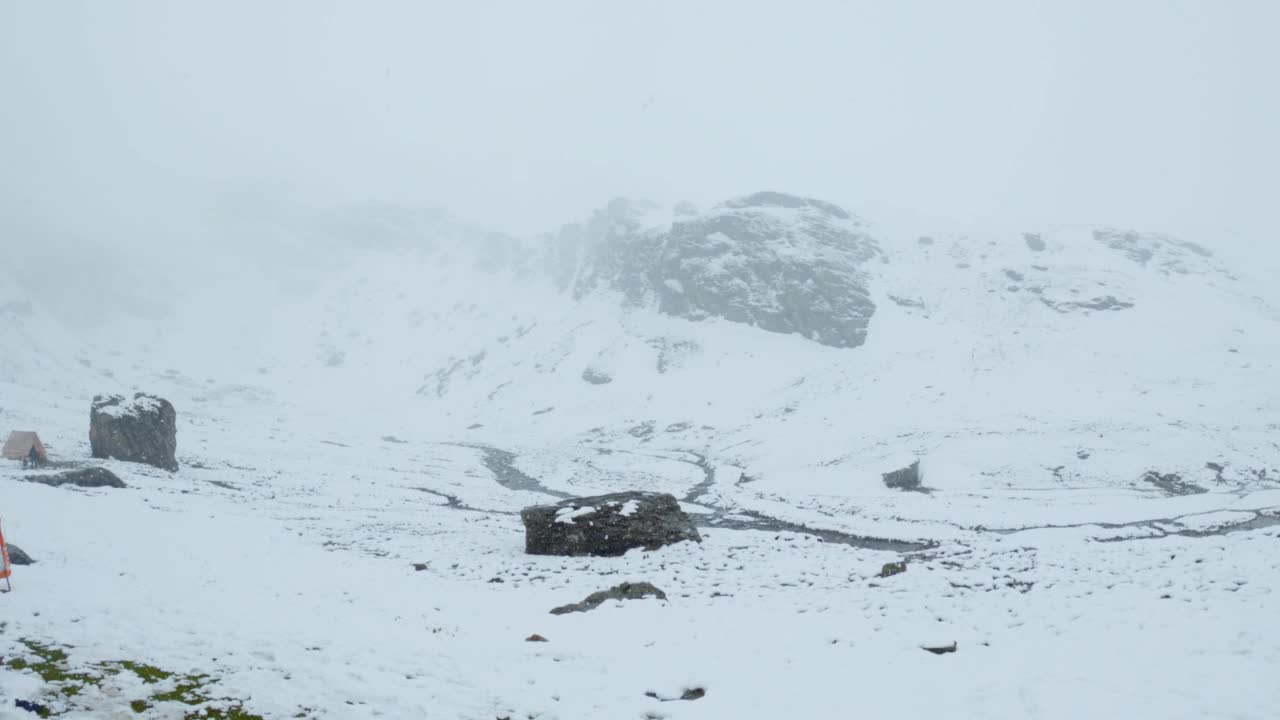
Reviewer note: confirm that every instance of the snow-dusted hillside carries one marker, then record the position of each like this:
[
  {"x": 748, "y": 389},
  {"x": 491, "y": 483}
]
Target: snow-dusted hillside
[{"x": 1095, "y": 412}]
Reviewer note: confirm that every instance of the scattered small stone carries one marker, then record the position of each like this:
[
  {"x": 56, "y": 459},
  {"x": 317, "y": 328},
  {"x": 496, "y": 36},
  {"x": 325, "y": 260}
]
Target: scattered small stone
[
  {"x": 419, "y": 567},
  {"x": 625, "y": 591},
  {"x": 1082, "y": 454},
  {"x": 535, "y": 638},
  {"x": 893, "y": 568},
  {"x": 496, "y": 580},
  {"x": 940, "y": 650}
]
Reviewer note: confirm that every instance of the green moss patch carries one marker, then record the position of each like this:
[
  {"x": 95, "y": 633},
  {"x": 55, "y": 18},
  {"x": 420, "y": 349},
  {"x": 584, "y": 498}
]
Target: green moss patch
[{"x": 65, "y": 686}]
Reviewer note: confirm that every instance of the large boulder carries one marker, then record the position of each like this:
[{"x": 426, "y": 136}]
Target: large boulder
[
  {"x": 143, "y": 429},
  {"x": 606, "y": 525}
]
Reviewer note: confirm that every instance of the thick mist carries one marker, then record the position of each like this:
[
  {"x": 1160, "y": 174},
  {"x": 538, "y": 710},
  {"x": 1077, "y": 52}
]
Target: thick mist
[{"x": 135, "y": 132}]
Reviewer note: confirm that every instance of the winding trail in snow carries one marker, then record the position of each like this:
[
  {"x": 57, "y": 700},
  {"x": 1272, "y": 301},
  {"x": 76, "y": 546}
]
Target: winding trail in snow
[
  {"x": 501, "y": 464},
  {"x": 1263, "y": 518}
]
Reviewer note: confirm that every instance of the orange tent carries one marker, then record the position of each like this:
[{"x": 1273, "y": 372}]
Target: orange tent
[{"x": 19, "y": 445}]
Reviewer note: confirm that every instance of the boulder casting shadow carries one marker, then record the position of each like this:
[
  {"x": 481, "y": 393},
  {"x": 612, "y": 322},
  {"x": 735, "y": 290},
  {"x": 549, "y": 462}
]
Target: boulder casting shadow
[
  {"x": 142, "y": 430},
  {"x": 606, "y": 525}
]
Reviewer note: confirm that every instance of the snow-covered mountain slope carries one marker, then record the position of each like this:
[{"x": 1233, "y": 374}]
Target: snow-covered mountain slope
[{"x": 1094, "y": 411}]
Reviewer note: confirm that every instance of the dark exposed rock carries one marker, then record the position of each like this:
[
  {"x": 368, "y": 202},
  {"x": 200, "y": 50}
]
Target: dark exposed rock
[
  {"x": 17, "y": 556},
  {"x": 625, "y": 591},
  {"x": 1172, "y": 483},
  {"x": 1163, "y": 252},
  {"x": 33, "y": 707},
  {"x": 596, "y": 377},
  {"x": 143, "y": 429},
  {"x": 782, "y": 263},
  {"x": 606, "y": 525},
  {"x": 941, "y": 649},
  {"x": 688, "y": 694},
  {"x": 1107, "y": 302},
  {"x": 908, "y": 478},
  {"x": 93, "y": 477},
  {"x": 535, "y": 638},
  {"x": 893, "y": 568}
]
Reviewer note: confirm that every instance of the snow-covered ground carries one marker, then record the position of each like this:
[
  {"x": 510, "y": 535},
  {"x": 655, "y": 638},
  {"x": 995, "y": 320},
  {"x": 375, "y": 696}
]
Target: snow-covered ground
[{"x": 345, "y": 416}]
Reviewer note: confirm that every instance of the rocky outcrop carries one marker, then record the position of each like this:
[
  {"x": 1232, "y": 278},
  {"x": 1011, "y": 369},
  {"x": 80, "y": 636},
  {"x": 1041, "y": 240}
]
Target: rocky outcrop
[
  {"x": 1164, "y": 253},
  {"x": 606, "y": 525},
  {"x": 625, "y": 591},
  {"x": 1171, "y": 483},
  {"x": 86, "y": 477},
  {"x": 782, "y": 263},
  {"x": 142, "y": 429}
]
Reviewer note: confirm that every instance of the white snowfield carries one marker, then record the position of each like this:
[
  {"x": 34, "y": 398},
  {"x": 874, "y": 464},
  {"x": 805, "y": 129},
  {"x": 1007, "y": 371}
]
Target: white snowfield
[{"x": 359, "y": 410}]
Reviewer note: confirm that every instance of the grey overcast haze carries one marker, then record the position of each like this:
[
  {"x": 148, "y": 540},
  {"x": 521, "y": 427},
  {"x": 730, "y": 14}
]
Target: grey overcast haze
[
  {"x": 1159, "y": 114},
  {"x": 665, "y": 360}
]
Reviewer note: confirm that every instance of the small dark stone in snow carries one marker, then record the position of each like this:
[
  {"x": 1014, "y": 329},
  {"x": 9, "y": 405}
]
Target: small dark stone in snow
[
  {"x": 535, "y": 638},
  {"x": 31, "y": 707},
  {"x": 941, "y": 650},
  {"x": 893, "y": 568},
  {"x": 496, "y": 580},
  {"x": 596, "y": 377},
  {"x": 420, "y": 566}
]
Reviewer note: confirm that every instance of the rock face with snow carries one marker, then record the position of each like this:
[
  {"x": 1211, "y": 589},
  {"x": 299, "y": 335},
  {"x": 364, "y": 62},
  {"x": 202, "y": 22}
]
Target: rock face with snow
[
  {"x": 606, "y": 525},
  {"x": 782, "y": 263},
  {"x": 143, "y": 429}
]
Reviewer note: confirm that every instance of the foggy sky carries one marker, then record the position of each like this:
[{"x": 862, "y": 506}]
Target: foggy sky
[{"x": 124, "y": 118}]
